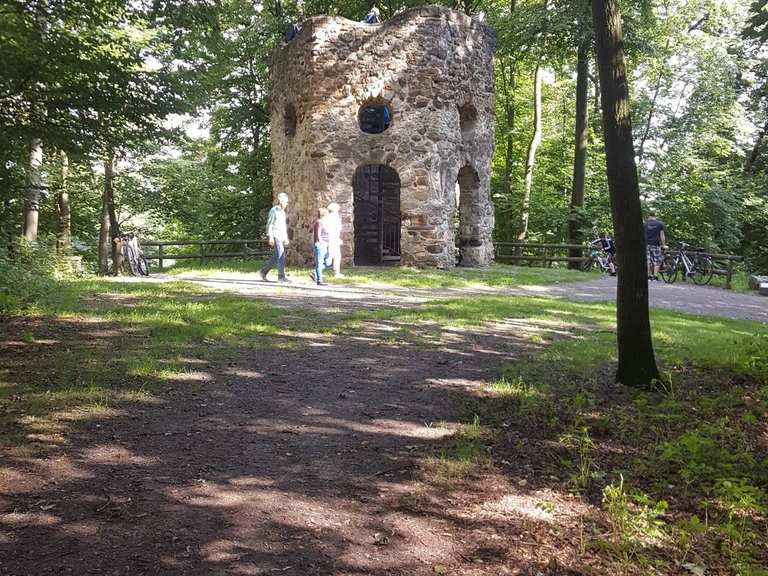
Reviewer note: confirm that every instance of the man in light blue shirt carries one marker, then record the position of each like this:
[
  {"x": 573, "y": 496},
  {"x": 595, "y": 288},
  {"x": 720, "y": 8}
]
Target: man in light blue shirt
[{"x": 277, "y": 233}]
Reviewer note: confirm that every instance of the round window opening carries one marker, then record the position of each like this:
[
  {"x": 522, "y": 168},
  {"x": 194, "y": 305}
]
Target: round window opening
[
  {"x": 289, "y": 120},
  {"x": 467, "y": 117},
  {"x": 374, "y": 118}
]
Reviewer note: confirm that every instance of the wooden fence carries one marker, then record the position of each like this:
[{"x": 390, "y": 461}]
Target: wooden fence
[
  {"x": 532, "y": 253},
  {"x": 204, "y": 249},
  {"x": 545, "y": 254},
  {"x": 723, "y": 265},
  {"x": 537, "y": 252}
]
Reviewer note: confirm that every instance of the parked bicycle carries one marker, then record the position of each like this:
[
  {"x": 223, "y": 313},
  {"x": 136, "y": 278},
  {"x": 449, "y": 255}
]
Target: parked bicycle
[
  {"x": 698, "y": 267},
  {"x": 134, "y": 261},
  {"x": 601, "y": 254}
]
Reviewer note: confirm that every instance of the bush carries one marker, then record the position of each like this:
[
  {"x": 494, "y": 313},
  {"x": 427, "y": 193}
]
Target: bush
[{"x": 29, "y": 271}]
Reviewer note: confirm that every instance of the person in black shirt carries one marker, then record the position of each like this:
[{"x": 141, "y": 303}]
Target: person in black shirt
[{"x": 655, "y": 240}]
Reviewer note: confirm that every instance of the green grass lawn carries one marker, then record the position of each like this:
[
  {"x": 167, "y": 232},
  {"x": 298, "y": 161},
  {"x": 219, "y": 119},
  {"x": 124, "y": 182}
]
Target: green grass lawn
[{"x": 499, "y": 275}]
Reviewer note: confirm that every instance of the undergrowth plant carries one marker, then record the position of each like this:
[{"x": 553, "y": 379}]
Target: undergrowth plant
[
  {"x": 636, "y": 520},
  {"x": 469, "y": 447},
  {"x": 29, "y": 271}
]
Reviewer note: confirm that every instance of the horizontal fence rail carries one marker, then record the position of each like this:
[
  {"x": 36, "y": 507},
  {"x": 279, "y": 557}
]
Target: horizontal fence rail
[
  {"x": 546, "y": 253},
  {"x": 204, "y": 249},
  {"x": 722, "y": 264},
  {"x": 541, "y": 252},
  {"x": 533, "y": 253}
]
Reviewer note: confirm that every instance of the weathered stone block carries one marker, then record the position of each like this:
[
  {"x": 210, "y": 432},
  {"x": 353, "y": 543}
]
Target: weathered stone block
[{"x": 425, "y": 64}]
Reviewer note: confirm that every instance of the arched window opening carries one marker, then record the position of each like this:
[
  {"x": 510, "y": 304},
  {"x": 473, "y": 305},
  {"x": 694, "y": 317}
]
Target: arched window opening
[
  {"x": 467, "y": 118},
  {"x": 289, "y": 120},
  {"x": 376, "y": 191},
  {"x": 468, "y": 215},
  {"x": 374, "y": 118}
]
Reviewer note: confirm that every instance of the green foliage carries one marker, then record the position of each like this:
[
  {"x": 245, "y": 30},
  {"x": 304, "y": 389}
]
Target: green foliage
[
  {"x": 703, "y": 457},
  {"x": 579, "y": 441},
  {"x": 468, "y": 448},
  {"x": 29, "y": 271},
  {"x": 94, "y": 75},
  {"x": 636, "y": 520}
]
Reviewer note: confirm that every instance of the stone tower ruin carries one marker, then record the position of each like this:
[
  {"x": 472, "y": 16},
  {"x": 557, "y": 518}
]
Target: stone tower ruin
[{"x": 395, "y": 123}]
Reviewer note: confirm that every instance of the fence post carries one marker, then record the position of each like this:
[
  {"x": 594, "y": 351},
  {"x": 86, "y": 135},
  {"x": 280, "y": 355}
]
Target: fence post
[
  {"x": 202, "y": 253},
  {"x": 160, "y": 254},
  {"x": 728, "y": 274}
]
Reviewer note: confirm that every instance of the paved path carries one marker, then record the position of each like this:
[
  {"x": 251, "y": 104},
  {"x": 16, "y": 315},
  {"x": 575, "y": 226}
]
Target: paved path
[{"x": 681, "y": 297}]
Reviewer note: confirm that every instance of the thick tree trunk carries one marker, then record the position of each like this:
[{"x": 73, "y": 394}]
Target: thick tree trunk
[
  {"x": 752, "y": 158},
  {"x": 637, "y": 363},
  {"x": 580, "y": 150},
  {"x": 34, "y": 190},
  {"x": 109, "y": 201},
  {"x": 508, "y": 85},
  {"x": 63, "y": 219},
  {"x": 530, "y": 161},
  {"x": 105, "y": 237},
  {"x": 508, "y": 89}
]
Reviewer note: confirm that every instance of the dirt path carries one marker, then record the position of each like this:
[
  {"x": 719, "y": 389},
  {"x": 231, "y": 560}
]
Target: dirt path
[
  {"x": 682, "y": 297},
  {"x": 296, "y": 461}
]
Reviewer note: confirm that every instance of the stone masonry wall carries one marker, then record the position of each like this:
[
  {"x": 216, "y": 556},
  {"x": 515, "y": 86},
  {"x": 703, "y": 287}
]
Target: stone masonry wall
[{"x": 426, "y": 64}]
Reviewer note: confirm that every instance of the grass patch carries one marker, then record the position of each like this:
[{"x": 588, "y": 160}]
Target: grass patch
[
  {"x": 467, "y": 450},
  {"x": 94, "y": 344},
  {"x": 212, "y": 267},
  {"x": 497, "y": 276},
  {"x": 680, "y": 472}
]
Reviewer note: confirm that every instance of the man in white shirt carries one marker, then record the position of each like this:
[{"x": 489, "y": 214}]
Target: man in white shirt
[{"x": 277, "y": 233}]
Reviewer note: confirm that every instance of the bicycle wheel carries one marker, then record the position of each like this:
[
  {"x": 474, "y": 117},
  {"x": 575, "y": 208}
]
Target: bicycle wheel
[
  {"x": 130, "y": 259},
  {"x": 702, "y": 270},
  {"x": 668, "y": 269},
  {"x": 587, "y": 264},
  {"x": 141, "y": 266}
]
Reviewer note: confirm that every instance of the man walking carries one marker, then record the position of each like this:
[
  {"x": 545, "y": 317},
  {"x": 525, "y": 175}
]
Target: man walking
[
  {"x": 277, "y": 232},
  {"x": 655, "y": 239},
  {"x": 320, "y": 239}
]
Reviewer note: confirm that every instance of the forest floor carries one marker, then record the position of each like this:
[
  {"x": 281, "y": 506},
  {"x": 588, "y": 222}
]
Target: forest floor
[{"x": 168, "y": 428}]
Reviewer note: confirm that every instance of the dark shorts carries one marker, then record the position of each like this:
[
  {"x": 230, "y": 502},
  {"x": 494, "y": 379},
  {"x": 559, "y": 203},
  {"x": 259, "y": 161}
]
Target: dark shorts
[{"x": 653, "y": 254}]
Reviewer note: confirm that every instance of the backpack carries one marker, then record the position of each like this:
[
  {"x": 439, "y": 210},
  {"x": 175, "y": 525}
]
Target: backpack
[{"x": 291, "y": 32}]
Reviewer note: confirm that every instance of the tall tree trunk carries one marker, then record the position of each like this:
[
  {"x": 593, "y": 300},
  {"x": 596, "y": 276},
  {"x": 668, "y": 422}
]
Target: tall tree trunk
[
  {"x": 109, "y": 200},
  {"x": 752, "y": 158},
  {"x": 596, "y": 115},
  {"x": 580, "y": 150},
  {"x": 508, "y": 80},
  {"x": 34, "y": 189},
  {"x": 63, "y": 226},
  {"x": 637, "y": 363},
  {"x": 105, "y": 238},
  {"x": 530, "y": 161}
]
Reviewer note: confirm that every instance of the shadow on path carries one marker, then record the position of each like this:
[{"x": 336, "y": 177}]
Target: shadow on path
[{"x": 681, "y": 297}]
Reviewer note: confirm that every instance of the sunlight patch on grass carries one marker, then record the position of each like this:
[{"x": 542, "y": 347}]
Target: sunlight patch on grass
[{"x": 497, "y": 276}]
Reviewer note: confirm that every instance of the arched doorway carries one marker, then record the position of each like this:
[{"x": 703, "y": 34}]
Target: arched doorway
[
  {"x": 377, "y": 215},
  {"x": 468, "y": 212}
]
